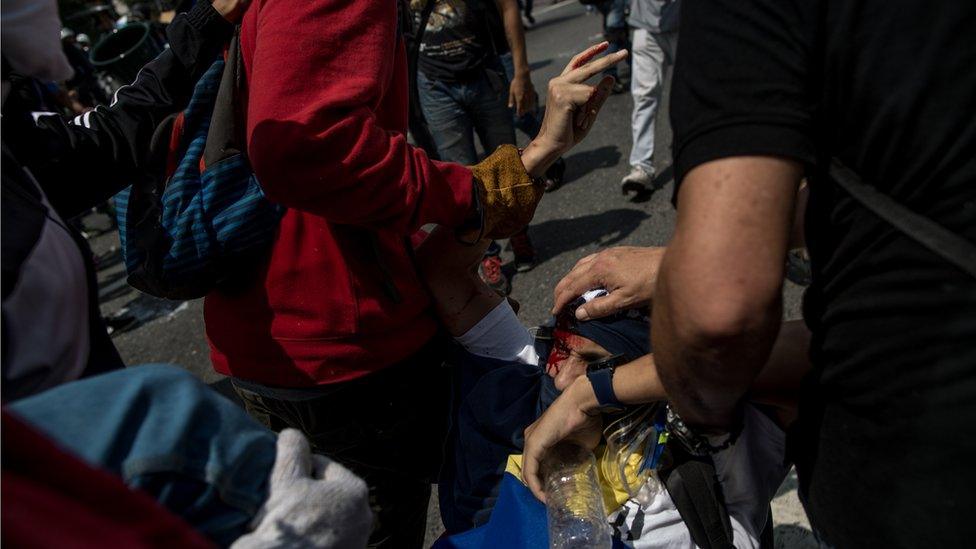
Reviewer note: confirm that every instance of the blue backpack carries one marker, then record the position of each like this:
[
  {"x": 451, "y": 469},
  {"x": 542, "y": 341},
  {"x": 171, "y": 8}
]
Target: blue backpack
[{"x": 207, "y": 224}]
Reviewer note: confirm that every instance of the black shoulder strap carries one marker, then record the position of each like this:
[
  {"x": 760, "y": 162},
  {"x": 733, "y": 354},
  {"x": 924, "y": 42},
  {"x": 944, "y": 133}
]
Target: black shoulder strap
[
  {"x": 694, "y": 488},
  {"x": 418, "y": 35},
  {"x": 227, "y": 134},
  {"x": 941, "y": 241}
]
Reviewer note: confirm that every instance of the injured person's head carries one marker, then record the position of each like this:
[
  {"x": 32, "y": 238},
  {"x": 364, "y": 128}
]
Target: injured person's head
[{"x": 576, "y": 344}]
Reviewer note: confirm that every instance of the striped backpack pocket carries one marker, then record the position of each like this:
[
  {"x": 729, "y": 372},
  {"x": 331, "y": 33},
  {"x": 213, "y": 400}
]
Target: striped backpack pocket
[{"x": 208, "y": 223}]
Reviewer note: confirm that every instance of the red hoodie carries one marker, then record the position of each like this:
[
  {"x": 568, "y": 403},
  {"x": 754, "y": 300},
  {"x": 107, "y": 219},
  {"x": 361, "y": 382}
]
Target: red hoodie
[{"x": 326, "y": 127}]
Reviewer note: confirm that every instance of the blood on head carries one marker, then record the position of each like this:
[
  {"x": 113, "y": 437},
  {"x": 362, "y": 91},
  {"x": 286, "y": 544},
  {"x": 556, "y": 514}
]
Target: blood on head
[{"x": 563, "y": 343}]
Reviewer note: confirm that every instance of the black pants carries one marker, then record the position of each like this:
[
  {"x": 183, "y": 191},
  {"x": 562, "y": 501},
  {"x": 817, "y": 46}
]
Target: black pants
[{"x": 388, "y": 427}]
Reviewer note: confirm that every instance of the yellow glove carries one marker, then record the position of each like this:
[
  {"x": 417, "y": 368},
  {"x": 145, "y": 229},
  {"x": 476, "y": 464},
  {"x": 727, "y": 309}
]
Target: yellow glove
[{"x": 507, "y": 195}]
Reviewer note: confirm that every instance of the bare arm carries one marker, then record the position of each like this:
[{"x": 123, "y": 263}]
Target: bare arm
[
  {"x": 718, "y": 302},
  {"x": 777, "y": 385},
  {"x": 449, "y": 269},
  {"x": 521, "y": 95}
]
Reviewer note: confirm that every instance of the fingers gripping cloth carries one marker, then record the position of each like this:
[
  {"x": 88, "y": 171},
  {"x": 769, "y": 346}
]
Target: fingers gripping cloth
[
  {"x": 312, "y": 502},
  {"x": 507, "y": 194}
]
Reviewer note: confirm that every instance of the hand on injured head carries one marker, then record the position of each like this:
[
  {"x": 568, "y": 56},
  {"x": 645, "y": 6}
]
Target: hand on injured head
[
  {"x": 629, "y": 273},
  {"x": 312, "y": 502}
]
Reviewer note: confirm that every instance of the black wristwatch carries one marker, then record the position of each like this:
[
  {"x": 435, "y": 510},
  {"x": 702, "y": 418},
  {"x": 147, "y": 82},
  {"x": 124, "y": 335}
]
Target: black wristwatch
[{"x": 600, "y": 373}]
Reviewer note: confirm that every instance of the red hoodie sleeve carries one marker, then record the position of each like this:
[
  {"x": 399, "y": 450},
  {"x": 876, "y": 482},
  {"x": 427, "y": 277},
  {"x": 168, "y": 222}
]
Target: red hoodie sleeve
[{"x": 319, "y": 74}]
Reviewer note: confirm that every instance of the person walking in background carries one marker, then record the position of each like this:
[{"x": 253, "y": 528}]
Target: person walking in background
[
  {"x": 655, "y": 25},
  {"x": 462, "y": 83}
]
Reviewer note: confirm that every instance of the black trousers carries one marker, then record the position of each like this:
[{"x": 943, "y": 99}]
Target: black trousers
[{"x": 388, "y": 427}]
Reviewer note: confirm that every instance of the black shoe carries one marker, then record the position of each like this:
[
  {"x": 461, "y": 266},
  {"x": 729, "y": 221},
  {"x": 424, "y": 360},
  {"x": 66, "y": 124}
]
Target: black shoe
[{"x": 555, "y": 175}]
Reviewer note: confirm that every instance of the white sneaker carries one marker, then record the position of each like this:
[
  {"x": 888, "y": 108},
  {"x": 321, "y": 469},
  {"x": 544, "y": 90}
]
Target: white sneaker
[{"x": 637, "y": 181}]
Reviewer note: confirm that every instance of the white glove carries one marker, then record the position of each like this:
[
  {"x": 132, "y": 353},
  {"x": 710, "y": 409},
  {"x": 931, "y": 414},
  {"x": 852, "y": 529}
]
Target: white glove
[{"x": 313, "y": 502}]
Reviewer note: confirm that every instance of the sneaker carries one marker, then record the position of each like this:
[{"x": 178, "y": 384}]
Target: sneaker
[
  {"x": 490, "y": 271},
  {"x": 528, "y": 21},
  {"x": 636, "y": 182},
  {"x": 619, "y": 87},
  {"x": 524, "y": 252}
]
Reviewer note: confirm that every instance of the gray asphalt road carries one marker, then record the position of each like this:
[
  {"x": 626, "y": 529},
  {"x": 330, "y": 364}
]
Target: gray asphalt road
[{"x": 585, "y": 215}]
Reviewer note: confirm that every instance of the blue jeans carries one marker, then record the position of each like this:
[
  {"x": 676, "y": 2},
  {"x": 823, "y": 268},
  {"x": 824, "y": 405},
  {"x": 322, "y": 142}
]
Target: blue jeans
[
  {"x": 456, "y": 110},
  {"x": 166, "y": 433},
  {"x": 615, "y": 28}
]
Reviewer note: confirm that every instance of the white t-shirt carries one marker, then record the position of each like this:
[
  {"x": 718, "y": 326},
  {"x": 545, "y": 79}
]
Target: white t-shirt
[
  {"x": 750, "y": 471},
  {"x": 501, "y": 336}
]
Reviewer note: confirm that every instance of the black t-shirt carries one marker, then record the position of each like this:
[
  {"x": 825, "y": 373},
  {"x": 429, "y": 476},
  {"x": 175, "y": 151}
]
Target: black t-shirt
[
  {"x": 886, "y": 440},
  {"x": 456, "y": 41}
]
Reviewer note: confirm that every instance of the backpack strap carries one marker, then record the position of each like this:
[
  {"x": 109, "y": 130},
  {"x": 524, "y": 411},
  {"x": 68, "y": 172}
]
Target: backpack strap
[
  {"x": 695, "y": 490},
  {"x": 941, "y": 241},
  {"x": 227, "y": 134}
]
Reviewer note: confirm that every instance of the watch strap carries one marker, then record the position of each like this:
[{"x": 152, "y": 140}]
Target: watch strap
[{"x": 602, "y": 383}]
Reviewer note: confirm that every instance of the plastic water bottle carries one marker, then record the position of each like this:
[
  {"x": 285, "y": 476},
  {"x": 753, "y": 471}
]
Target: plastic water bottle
[{"x": 574, "y": 503}]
